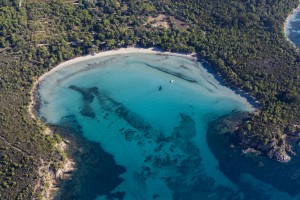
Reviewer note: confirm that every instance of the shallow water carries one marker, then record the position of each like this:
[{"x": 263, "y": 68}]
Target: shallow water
[
  {"x": 292, "y": 29},
  {"x": 151, "y": 114}
]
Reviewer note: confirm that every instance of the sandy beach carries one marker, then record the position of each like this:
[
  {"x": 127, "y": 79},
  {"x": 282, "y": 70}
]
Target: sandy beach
[
  {"x": 286, "y": 23},
  {"x": 115, "y": 52},
  {"x": 33, "y": 103}
]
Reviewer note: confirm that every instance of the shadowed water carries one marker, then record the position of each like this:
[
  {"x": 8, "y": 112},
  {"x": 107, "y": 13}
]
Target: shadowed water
[
  {"x": 149, "y": 116},
  {"x": 257, "y": 176},
  {"x": 92, "y": 164}
]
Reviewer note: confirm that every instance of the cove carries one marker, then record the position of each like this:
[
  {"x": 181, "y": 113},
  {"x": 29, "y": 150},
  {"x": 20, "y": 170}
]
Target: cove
[
  {"x": 292, "y": 27},
  {"x": 148, "y": 116}
]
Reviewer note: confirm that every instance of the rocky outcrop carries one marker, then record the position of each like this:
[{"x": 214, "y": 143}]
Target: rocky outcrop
[
  {"x": 253, "y": 143},
  {"x": 277, "y": 149},
  {"x": 279, "y": 155}
]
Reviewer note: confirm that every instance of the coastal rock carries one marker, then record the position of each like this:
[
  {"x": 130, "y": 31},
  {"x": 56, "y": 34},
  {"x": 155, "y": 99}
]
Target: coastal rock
[
  {"x": 288, "y": 148},
  {"x": 251, "y": 151},
  {"x": 282, "y": 157},
  {"x": 271, "y": 149},
  {"x": 279, "y": 155}
]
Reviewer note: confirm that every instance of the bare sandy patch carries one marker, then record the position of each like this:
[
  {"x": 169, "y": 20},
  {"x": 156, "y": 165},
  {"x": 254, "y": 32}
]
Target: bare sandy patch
[{"x": 159, "y": 21}]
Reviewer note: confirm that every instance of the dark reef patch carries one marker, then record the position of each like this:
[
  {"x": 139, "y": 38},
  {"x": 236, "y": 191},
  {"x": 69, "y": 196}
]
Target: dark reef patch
[
  {"x": 109, "y": 104},
  {"x": 92, "y": 164},
  {"x": 88, "y": 97},
  {"x": 87, "y": 93}
]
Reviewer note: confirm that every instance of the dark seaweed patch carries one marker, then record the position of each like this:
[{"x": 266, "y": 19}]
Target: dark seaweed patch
[{"x": 93, "y": 164}]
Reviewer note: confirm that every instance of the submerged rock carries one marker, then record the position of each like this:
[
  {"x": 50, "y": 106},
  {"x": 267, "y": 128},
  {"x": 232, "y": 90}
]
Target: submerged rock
[{"x": 251, "y": 151}]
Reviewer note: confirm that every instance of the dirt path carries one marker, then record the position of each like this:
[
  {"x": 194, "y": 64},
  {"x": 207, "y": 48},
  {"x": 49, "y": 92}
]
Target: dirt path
[{"x": 12, "y": 146}]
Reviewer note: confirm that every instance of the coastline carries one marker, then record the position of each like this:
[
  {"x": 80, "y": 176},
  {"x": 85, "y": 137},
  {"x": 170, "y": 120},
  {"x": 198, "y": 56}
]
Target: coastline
[
  {"x": 69, "y": 165},
  {"x": 134, "y": 49},
  {"x": 237, "y": 90},
  {"x": 51, "y": 187},
  {"x": 286, "y": 22}
]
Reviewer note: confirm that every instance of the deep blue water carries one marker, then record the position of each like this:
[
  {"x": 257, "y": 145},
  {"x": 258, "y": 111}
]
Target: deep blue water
[
  {"x": 150, "y": 121},
  {"x": 293, "y": 29}
]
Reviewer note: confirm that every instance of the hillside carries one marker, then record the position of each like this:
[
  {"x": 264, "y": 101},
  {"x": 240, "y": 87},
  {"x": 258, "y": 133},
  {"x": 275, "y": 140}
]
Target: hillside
[{"x": 242, "y": 40}]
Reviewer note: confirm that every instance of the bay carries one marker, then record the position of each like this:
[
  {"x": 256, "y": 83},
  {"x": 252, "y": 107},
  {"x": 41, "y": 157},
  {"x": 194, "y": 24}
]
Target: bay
[{"x": 151, "y": 114}]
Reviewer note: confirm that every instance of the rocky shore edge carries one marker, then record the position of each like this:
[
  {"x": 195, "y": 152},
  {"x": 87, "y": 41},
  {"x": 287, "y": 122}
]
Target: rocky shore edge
[
  {"x": 50, "y": 174},
  {"x": 280, "y": 150}
]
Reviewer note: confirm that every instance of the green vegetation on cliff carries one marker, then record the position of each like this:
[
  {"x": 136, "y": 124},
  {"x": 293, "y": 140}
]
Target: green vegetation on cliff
[{"x": 243, "y": 41}]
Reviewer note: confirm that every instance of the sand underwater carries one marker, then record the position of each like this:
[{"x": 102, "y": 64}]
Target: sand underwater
[{"x": 151, "y": 126}]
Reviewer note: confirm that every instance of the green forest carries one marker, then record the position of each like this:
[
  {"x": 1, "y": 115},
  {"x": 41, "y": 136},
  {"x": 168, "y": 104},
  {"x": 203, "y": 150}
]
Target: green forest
[{"x": 243, "y": 40}]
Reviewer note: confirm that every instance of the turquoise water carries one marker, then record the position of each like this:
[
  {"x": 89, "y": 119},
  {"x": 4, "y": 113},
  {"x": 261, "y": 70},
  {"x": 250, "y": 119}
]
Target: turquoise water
[
  {"x": 150, "y": 114},
  {"x": 292, "y": 29}
]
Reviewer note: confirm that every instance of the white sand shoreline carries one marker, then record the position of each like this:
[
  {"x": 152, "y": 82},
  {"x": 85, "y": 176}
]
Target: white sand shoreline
[
  {"x": 114, "y": 52},
  {"x": 286, "y": 23},
  {"x": 128, "y": 50}
]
